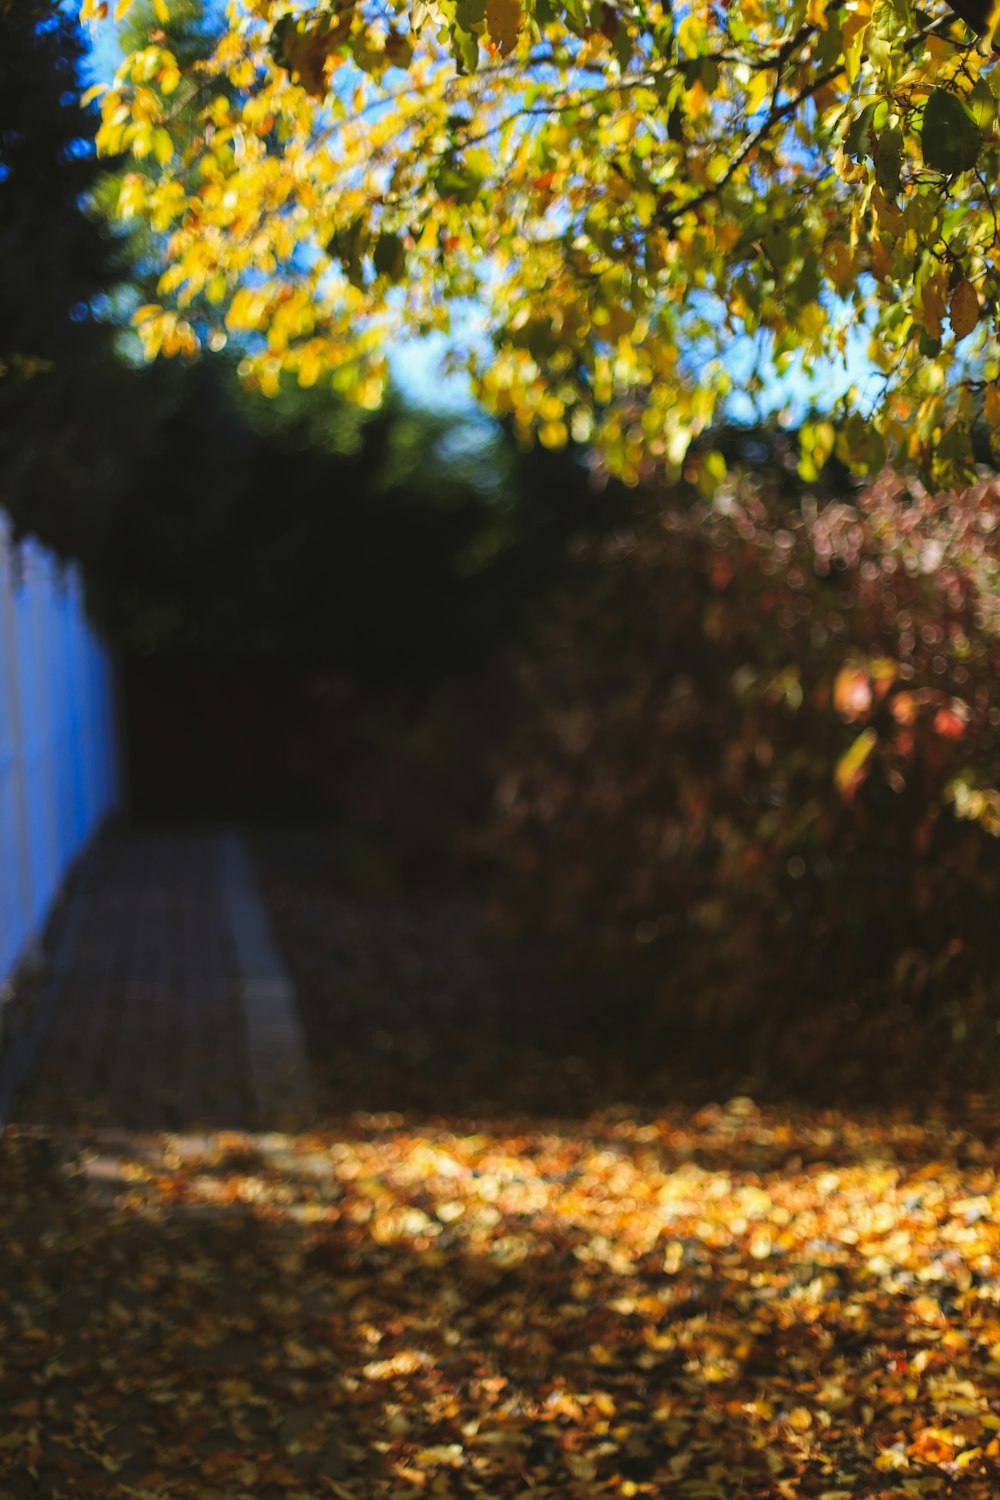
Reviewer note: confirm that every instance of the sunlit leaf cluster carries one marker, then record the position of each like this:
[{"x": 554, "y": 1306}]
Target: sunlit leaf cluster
[{"x": 621, "y": 191}]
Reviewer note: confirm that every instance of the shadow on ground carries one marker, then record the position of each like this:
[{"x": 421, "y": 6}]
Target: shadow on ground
[{"x": 414, "y": 999}]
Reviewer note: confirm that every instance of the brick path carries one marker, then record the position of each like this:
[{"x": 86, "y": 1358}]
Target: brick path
[{"x": 172, "y": 1008}]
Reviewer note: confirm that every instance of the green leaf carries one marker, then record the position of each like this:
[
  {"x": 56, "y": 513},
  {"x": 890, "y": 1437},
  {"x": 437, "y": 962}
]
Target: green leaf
[
  {"x": 348, "y": 244},
  {"x": 889, "y": 160},
  {"x": 469, "y": 14},
  {"x": 577, "y": 18},
  {"x": 454, "y": 178},
  {"x": 983, "y": 105},
  {"x": 778, "y": 244},
  {"x": 807, "y": 288},
  {"x": 281, "y": 32},
  {"x": 390, "y": 257},
  {"x": 677, "y": 124},
  {"x": 857, "y": 142},
  {"x": 466, "y": 50},
  {"x": 891, "y": 21},
  {"x": 950, "y": 138},
  {"x": 663, "y": 36}
]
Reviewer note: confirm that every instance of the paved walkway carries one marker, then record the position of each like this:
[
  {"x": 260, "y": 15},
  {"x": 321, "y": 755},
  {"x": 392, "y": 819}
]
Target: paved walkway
[{"x": 170, "y": 1006}]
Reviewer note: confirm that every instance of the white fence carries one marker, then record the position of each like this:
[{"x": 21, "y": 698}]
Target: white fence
[{"x": 59, "y": 770}]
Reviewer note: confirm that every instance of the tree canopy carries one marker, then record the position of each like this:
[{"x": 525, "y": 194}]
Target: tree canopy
[{"x": 623, "y": 189}]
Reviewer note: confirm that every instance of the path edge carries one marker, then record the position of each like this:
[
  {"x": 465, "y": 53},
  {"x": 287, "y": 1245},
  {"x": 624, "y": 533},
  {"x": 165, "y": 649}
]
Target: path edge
[{"x": 280, "y": 1073}]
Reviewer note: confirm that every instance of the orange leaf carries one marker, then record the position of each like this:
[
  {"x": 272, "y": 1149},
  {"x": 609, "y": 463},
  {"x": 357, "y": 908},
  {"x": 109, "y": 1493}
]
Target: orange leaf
[
  {"x": 964, "y": 309},
  {"x": 991, "y": 406},
  {"x": 932, "y": 308},
  {"x": 852, "y": 693},
  {"x": 504, "y": 19}
]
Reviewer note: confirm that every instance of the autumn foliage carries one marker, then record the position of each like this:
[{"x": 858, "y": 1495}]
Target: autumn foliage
[
  {"x": 756, "y": 762},
  {"x": 620, "y": 192},
  {"x": 703, "y": 1304}
]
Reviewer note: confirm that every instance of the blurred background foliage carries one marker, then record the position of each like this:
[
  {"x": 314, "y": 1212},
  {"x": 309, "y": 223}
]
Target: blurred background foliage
[
  {"x": 730, "y": 749},
  {"x": 753, "y": 761}
]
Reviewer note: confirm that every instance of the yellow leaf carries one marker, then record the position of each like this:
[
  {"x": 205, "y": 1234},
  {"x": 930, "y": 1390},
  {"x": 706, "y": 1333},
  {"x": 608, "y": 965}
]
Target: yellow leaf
[
  {"x": 142, "y": 140},
  {"x": 504, "y": 19},
  {"x": 94, "y": 92},
  {"x": 553, "y": 434},
  {"x": 246, "y": 311},
  {"x": 131, "y": 196},
  {"x": 853, "y": 34},
  {"x": 310, "y": 367},
  {"x": 816, "y": 14},
  {"x": 964, "y": 309},
  {"x": 851, "y": 764},
  {"x": 161, "y": 12},
  {"x": 758, "y": 89}
]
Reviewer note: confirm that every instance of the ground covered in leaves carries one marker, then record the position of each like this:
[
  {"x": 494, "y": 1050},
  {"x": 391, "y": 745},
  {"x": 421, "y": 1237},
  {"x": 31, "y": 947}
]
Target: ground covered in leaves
[
  {"x": 723, "y": 1302},
  {"x": 479, "y": 1277}
]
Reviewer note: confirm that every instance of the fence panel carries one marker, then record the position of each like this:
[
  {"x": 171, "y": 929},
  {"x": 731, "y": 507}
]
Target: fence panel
[{"x": 59, "y": 765}]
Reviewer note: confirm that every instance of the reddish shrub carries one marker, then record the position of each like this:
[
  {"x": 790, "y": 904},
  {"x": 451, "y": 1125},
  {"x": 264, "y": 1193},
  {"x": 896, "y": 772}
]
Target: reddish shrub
[{"x": 756, "y": 755}]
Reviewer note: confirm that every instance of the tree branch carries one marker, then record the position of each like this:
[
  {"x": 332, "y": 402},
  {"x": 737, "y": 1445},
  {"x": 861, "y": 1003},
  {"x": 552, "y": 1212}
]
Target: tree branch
[{"x": 668, "y": 215}]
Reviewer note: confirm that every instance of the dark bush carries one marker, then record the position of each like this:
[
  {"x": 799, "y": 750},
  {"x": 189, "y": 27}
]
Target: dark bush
[{"x": 753, "y": 775}]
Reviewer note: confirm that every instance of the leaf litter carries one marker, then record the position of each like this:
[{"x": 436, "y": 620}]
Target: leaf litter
[{"x": 716, "y": 1302}]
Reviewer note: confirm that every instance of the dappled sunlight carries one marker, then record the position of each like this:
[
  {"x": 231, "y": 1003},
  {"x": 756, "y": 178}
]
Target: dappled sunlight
[
  {"x": 658, "y": 764},
  {"x": 706, "y": 1302}
]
